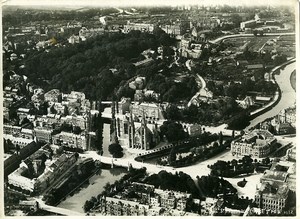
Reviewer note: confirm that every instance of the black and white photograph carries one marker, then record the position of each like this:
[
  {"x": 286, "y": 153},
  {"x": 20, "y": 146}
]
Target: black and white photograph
[{"x": 148, "y": 108}]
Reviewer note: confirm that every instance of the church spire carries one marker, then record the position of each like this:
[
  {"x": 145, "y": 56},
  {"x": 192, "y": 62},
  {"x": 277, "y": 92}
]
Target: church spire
[{"x": 144, "y": 122}]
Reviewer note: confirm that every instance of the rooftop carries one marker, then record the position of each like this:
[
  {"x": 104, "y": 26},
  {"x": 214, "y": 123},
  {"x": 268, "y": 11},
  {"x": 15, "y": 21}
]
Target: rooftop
[{"x": 279, "y": 176}]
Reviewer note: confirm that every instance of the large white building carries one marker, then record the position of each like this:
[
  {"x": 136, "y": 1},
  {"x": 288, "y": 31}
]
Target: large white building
[{"x": 258, "y": 143}]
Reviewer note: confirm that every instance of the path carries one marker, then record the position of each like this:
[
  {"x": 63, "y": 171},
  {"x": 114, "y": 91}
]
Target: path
[{"x": 201, "y": 83}]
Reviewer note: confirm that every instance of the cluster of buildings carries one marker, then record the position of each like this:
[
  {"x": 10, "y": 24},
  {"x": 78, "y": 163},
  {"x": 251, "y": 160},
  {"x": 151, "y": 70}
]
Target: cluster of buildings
[
  {"x": 263, "y": 25},
  {"x": 147, "y": 201},
  {"x": 277, "y": 184},
  {"x": 12, "y": 97},
  {"x": 141, "y": 93},
  {"x": 67, "y": 122},
  {"x": 258, "y": 143},
  {"x": 283, "y": 123},
  {"x": 40, "y": 170},
  {"x": 137, "y": 125},
  {"x": 193, "y": 43}
]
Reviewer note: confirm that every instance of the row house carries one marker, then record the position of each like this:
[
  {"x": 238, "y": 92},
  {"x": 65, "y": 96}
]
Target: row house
[
  {"x": 43, "y": 134},
  {"x": 71, "y": 140},
  {"x": 120, "y": 207},
  {"x": 143, "y": 27},
  {"x": 172, "y": 199}
]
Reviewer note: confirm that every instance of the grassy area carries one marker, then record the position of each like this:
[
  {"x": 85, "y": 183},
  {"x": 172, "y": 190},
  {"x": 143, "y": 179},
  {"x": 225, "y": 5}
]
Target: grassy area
[{"x": 293, "y": 80}]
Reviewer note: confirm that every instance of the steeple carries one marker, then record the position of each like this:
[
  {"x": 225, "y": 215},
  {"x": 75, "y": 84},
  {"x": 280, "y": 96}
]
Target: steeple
[
  {"x": 144, "y": 122},
  {"x": 131, "y": 130}
]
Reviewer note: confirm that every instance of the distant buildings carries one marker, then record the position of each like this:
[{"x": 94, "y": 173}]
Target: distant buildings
[
  {"x": 248, "y": 24},
  {"x": 74, "y": 39},
  {"x": 188, "y": 49},
  {"x": 85, "y": 33},
  {"x": 143, "y": 27},
  {"x": 258, "y": 143}
]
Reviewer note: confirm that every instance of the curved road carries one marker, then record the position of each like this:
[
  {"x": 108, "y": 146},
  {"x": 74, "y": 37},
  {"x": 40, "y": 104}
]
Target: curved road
[
  {"x": 288, "y": 95},
  {"x": 201, "y": 83}
]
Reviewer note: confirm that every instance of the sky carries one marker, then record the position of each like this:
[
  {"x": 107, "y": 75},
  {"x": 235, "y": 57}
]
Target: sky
[{"x": 122, "y": 3}]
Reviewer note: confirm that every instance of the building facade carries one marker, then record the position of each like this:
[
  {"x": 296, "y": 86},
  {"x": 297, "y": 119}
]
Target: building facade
[
  {"x": 258, "y": 143},
  {"x": 271, "y": 197},
  {"x": 71, "y": 140}
]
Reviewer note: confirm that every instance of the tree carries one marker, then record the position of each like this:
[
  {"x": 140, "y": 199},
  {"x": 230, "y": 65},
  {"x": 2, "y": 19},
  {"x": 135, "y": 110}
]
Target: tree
[
  {"x": 173, "y": 131},
  {"x": 88, "y": 205},
  {"x": 221, "y": 138},
  {"x": 18, "y": 148},
  {"x": 76, "y": 130},
  {"x": 115, "y": 150},
  {"x": 172, "y": 112},
  {"x": 255, "y": 32},
  {"x": 172, "y": 156}
]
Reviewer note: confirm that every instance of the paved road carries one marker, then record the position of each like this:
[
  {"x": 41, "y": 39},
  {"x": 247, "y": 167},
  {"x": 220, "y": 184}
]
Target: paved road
[{"x": 199, "y": 169}]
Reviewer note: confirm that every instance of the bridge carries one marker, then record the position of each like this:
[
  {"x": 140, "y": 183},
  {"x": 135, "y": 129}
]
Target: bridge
[{"x": 57, "y": 210}]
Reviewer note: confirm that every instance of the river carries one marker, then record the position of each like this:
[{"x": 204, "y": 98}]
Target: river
[
  {"x": 95, "y": 187},
  {"x": 106, "y": 139},
  {"x": 288, "y": 97}
]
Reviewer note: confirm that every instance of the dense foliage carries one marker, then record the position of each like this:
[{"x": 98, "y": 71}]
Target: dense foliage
[
  {"x": 215, "y": 112},
  {"x": 212, "y": 186},
  {"x": 85, "y": 66},
  {"x": 233, "y": 168},
  {"x": 173, "y": 131},
  {"x": 177, "y": 182}
]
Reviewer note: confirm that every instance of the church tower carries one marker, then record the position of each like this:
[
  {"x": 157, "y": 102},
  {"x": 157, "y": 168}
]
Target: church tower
[
  {"x": 131, "y": 131},
  {"x": 144, "y": 132}
]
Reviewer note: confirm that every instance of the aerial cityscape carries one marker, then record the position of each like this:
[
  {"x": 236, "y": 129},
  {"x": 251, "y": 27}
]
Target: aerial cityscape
[{"x": 171, "y": 110}]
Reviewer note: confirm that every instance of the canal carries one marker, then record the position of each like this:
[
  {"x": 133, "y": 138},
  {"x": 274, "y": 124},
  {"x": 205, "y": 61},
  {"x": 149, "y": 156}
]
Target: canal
[{"x": 95, "y": 186}]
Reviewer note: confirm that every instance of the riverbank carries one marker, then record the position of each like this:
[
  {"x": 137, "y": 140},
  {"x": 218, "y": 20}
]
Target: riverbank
[
  {"x": 286, "y": 98},
  {"x": 293, "y": 80}
]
